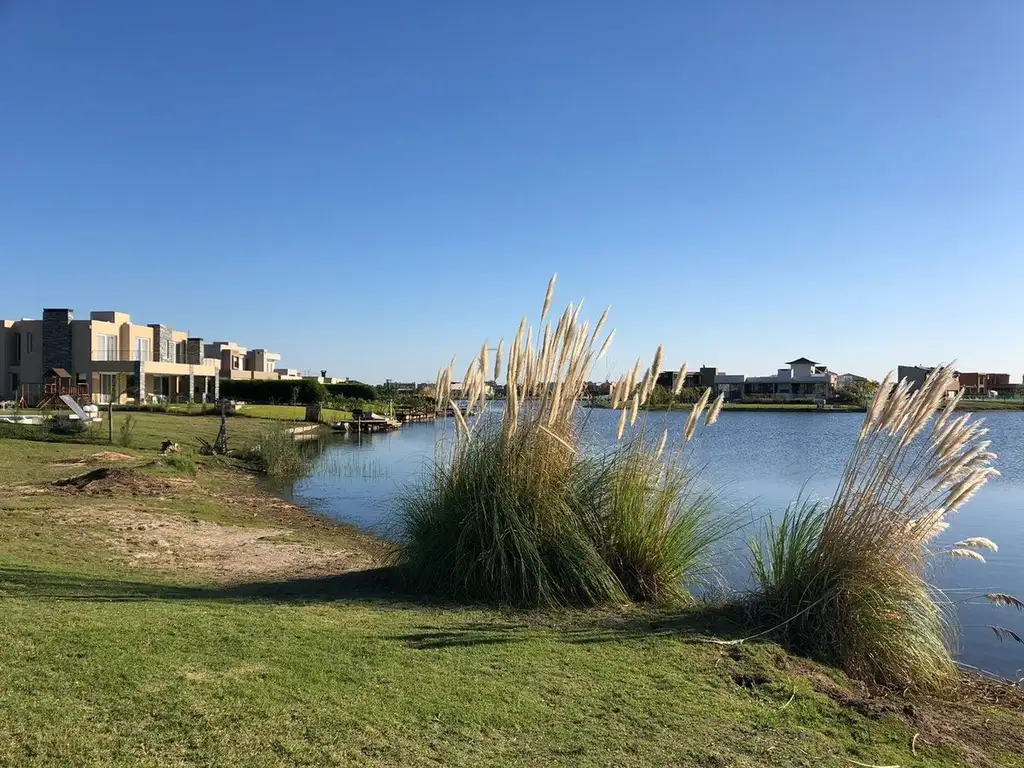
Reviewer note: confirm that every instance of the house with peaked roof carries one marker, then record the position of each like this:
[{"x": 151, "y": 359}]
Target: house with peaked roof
[{"x": 804, "y": 378}]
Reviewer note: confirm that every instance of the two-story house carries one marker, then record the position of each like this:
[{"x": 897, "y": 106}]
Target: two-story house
[{"x": 107, "y": 355}]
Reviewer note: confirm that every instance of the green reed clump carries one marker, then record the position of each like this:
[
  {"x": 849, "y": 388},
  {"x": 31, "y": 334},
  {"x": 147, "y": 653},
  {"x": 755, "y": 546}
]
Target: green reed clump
[
  {"x": 277, "y": 453},
  {"x": 846, "y": 581},
  {"x": 650, "y": 522},
  {"x": 516, "y": 513},
  {"x": 498, "y": 523}
]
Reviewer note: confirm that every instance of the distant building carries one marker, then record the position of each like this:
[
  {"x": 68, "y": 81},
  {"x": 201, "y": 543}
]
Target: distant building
[
  {"x": 916, "y": 374},
  {"x": 803, "y": 379},
  {"x": 975, "y": 383},
  {"x": 707, "y": 376},
  {"x": 288, "y": 373},
  {"x": 237, "y": 362},
  {"x": 847, "y": 380}
]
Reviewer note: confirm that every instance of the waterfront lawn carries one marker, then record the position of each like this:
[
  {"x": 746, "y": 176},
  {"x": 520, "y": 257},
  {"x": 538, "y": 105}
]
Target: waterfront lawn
[
  {"x": 107, "y": 659},
  {"x": 289, "y": 413}
]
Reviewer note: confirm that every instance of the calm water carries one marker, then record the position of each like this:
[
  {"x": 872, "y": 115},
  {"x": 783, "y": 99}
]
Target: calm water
[{"x": 758, "y": 462}]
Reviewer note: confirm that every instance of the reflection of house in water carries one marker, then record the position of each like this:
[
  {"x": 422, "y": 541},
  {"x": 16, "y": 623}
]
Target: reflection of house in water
[{"x": 803, "y": 378}]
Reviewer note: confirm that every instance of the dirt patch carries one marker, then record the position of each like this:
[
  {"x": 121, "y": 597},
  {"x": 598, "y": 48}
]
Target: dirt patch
[
  {"x": 103, "y": 457},
  {"x": 749, "y": 680},
  {"x": 116, "y": 481},
  {"x": 222, "y": 553},
  {"x": 982, "y": 716}
]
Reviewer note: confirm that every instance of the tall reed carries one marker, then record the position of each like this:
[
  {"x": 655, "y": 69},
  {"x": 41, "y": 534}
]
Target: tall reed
[
  {"x": 516, "y": 511},
  {"x": 847, "y": 580}
]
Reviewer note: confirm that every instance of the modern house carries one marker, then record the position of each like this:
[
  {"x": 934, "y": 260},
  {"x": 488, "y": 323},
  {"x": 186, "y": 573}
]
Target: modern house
[
  {"x": 707, "y": 376},
  {"x": 803, "y": 378},
  {"x": 106, "y": 356}
]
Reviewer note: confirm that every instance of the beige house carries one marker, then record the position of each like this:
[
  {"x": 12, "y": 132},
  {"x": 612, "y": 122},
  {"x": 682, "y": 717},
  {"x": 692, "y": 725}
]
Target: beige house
[
  {"x": 107, "y": 356},
  {"x": 237, "y": 362}
]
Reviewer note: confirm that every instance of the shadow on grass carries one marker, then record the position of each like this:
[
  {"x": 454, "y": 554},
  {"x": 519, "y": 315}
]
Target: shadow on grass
[
  {"x": 382, "y": 587},
  {"x": 376, "y": 585},
  {"x": 590, "y": 627}
]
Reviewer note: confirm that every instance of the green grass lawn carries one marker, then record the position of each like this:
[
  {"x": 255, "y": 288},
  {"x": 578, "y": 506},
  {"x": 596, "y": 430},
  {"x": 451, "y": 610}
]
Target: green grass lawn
[
  {"x": 105, "y": 661},
  {"x": 290, "y": 412}
]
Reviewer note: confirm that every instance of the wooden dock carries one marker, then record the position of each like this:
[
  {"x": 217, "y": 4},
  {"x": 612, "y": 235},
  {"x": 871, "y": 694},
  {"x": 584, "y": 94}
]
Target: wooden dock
[
  {"x": 367, "y": 425},
  {"x": 409, "y": 417}
]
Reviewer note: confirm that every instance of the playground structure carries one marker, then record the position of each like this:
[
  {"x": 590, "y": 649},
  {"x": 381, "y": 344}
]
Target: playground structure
[{"x": 59, "y": 390}]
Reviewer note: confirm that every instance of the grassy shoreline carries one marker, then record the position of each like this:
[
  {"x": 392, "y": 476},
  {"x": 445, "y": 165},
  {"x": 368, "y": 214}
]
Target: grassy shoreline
[{"x": 163, "y": 619}]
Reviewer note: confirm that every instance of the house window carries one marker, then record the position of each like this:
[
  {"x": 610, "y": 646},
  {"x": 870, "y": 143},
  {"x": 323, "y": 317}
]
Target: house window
[
  {"x": 106, "y": 347},
  {"x": 142, "y": 349},
  {"x": 29, "y": 343},
  {"x": 236, "y": 362}
]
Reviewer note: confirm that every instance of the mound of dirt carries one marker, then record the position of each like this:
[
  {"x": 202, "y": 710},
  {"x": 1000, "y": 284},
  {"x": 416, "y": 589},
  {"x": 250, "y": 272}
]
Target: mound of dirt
[{"x": 115, "y": 481}]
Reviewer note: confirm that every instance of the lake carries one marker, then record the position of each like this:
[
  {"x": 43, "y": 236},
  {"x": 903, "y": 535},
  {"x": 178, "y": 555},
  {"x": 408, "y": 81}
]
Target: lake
[{"x": 758, "y": 462}]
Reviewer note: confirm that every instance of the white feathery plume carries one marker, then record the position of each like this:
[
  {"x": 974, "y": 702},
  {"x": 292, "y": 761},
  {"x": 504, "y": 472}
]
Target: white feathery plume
[
  {"x": 978, "y": 542},
  {"x": 661, "y": 445},
  {"x": 659, "y": 356},
  {"x": 607, "y": 343},
  {"x": 677, "y": 386},
  {"x": 966, "y": 554},
  {"x": 600, "y": 324},
  {"x": 497, "y": 359},
  {"x": 622, "y": 424},
  {"x": 548, "y": 296},
  {"x": 691, "y": 423},
  {"x": 716, "y": 408}
]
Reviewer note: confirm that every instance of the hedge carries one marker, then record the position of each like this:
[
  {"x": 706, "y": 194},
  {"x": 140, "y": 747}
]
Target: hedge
[
  {"x": 355, "y": 390},
  {"x": 304, "y": 391}
]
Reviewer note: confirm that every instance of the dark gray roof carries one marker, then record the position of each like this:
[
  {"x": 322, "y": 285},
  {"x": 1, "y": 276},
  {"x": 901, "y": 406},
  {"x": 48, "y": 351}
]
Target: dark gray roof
[{"x": 801, "y": 361}]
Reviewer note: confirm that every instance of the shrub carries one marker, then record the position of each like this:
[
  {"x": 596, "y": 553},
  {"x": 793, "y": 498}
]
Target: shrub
[
  {"x": 354, "y": 390},
  {"x": 846, "y": 581},
  {"x": 516, "y": 512},
  {"x": 62, "y": 424},
  {"x": 126, "y": 432}
]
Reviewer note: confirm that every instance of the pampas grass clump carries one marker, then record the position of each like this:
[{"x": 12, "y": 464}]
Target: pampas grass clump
[
  {"x": 517, "y": 511},
  {"x": 846, "y": 582}
]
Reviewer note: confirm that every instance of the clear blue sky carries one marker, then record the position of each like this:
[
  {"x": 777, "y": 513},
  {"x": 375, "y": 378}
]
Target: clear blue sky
[{"x": 746, "y": 182}]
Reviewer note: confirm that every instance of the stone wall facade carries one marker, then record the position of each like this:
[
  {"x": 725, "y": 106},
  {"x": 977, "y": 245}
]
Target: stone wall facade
[
  {"x": 194, "y": 351},
  {"x": 163, "y": 343},
  {"x": 57, "y": 338}
]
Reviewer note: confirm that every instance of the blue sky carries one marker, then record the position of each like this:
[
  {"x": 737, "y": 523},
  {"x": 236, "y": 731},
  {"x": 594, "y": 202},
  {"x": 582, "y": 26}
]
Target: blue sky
[{"x": 373, "y": 187}]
